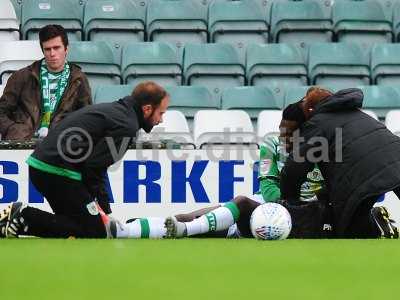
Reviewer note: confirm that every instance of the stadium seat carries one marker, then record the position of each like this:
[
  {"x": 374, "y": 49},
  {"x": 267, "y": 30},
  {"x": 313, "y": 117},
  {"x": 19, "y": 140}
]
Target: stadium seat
[
  {"x": 97, "y": 61},
  {"x": 190, "y": 99},
  {"x": 115, "y": 21},
  {"x": 340, "y": 64},
  {"x": 370, "y": 113},
  {"x": 362, "y": 22},
  {"x": 15, "y": 55},
  {"x": 268, "y": 123},
  {"x": 277, "y": 66},
  {"x": 174, "y": 127},
  {"x": 397, "y": 89},
  {"x": 380, "y": 99},
  {"x": 9, "y": 24},
  {"x": 300, "y": 22},
  {"x": 392, "y": 121},
  {"x": 396, "y": 22},
  {"x": 18, "y": 8},
  {"x": 215, "y": 66},
  {"x": 38, "y": 13},
  {"x": 155, "y": 61},
  {"x": 142, "y": 3},
  {"x": 385, "y": 64},
  {"x": 388, "y": 6},
  {"x": 177, "y": 22},
  {"x": 238, "y": 23},
  {"x": 251, "y": 99},
  {"x": 294, "y": 94},
  {"x": 223, "y": 129},
  {"x": 110, "y": 93}
]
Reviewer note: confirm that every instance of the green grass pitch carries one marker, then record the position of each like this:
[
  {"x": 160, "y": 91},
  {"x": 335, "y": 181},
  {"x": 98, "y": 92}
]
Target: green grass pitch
[{"x": 199, "y": 269}]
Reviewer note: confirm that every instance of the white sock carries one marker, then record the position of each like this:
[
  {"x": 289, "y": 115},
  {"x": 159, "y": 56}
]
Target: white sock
[
  {"x": 157, "y": 228},
  {"x": 218, "y": 219},
  {"x": 153, "y": 228}
]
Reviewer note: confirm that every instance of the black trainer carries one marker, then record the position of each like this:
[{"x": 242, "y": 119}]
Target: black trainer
[
  {"x": 382, "y": 218},
  {"x": 11, "y": 221}
]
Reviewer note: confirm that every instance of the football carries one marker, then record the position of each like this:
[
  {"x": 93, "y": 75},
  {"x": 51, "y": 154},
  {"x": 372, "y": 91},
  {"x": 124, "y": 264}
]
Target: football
[{"x": 270, "y": 221}]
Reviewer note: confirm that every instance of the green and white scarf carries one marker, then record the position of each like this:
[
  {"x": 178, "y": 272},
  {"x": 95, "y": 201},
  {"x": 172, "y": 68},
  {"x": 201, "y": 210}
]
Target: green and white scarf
[{"x": 53, "y": 86}]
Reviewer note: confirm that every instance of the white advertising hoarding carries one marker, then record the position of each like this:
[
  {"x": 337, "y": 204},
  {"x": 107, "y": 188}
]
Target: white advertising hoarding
[
  {"x": 151, "y": 182},
  {"x": 158, "y": 182}
]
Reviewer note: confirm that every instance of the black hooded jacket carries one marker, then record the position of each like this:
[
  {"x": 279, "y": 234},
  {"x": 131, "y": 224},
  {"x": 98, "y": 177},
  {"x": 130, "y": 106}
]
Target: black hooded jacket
[
  {"x": 357, "y": 155},
  {"x": 90, "y": 140}
]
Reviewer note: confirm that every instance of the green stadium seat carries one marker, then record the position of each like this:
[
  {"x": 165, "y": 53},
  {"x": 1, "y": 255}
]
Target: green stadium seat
[
  {"x": 116, "y": 21},
  {"x": 362, "y": 22},
  {"x": 155, "y": 61},
  {"x": 97, "y": 61},
  {"x": 340, "y": 64},
  {"x": 301, "y": 22},
  {"x": 277, "y": 66},
  {"x": 9, "y": 24},
  {"x": 18, "y": 8},
  {"x": 190, "y": 99},
  {"x": 38, "y": 13},
  {"x": 251, "y": 99},
  {"x": 396, "y": 88},
  {"x": 388, "y": 6},
  {"x": 396, "y": 22},
  {"x": 142, "y": 3},
  {"x": 110, "y": 93},
  {"x": 294, "y": 94},
  {"x": 385, "y": 64},
  {"x": 215, "y": 66},
  {"x": 238, "y": 23},
  {"x": 380, "y": 99},
  {"x": 177, "y": 22}
]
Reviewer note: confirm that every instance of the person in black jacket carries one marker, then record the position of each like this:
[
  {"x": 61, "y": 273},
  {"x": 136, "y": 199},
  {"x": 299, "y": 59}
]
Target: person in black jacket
[
  {"x": 69, "y": 165},
  {"x": 358, "y": 156}
]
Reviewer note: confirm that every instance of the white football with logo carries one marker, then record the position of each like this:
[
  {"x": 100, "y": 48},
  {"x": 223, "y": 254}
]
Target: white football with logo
[{"x": 270, "y": 221}]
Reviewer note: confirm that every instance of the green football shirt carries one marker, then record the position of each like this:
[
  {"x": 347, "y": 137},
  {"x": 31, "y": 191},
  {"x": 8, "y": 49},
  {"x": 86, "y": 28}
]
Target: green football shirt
[{"x": 272, "y": 160}]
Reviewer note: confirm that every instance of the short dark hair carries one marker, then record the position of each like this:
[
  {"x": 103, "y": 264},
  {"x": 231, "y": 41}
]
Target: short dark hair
[
  {"x": 52, "y": 31},
  {"x": 293, "y": 112},
  {"x": 149, "y": 92}
]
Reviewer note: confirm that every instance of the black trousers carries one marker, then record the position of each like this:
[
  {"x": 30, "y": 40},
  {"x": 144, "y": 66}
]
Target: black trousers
[{"x": 73, "y": 207}]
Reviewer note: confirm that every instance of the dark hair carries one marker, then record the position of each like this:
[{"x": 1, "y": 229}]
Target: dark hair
[
  {"x": 52, "y": 31},
  {"x": 293, "y": 112},
  {"x": 149, "y": 92}
]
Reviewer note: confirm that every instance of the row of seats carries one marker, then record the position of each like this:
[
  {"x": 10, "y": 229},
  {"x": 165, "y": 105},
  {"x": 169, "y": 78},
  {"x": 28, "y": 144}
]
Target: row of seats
[
  {"x": 224, "y": 128},
  {"x": 195, "y": 121},
  {"x": 236, "y": 22},
  {"x": 253, "y": 100},
  {"x": 190, "y": 99},
  {"x": 215, "y": 128},
  {"x": 217, "y": 66}
]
